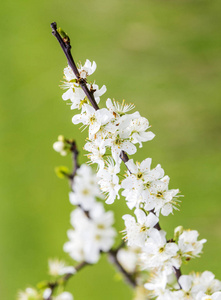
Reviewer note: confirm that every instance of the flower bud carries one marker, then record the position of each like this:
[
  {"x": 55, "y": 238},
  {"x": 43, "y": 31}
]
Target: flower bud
[{"x": 177, "y": 232}]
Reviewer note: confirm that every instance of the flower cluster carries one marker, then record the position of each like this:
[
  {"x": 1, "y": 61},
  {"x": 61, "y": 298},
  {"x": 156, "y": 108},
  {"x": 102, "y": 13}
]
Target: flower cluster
[
  {"x": 92, "y": 231},
  {"x": 113, "y": 131},
  {"x": 193, "y": 287},
  {"x": 148, "y": 188}
]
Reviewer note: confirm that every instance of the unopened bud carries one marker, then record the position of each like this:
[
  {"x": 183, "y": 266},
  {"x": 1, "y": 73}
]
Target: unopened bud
[
  {"x": 177, "y": 232},
  {"x": 64, "y": 35}
]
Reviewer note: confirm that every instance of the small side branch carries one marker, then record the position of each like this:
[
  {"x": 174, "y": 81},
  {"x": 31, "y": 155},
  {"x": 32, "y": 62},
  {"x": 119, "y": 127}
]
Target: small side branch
[
  {"x": 75, "y": 153},
  {"x": 177, "y": 273},
  {"x": 128, "y": 277},
  {"x": 63, "y": 280}
]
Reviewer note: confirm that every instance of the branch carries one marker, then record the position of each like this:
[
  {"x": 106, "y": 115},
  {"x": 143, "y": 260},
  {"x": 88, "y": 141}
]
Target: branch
[
  {"x": 129, "y": 278},
  {"x": 177, "y": 273},
  {"x": 75, "y": 154},
  {"x": 113, "y": 258},
  {"x": 64, "y": 279},
  {"x": 66, "y": 47}
]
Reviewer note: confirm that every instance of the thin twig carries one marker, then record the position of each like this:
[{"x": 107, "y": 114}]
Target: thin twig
[
  {"x": 177, "y": 273},
  {"x": 64, "y": 279},
  {"x": 129, "y": 278},
  {"x": 75, "y": 153},
  {"x": 66, "y": 47}
]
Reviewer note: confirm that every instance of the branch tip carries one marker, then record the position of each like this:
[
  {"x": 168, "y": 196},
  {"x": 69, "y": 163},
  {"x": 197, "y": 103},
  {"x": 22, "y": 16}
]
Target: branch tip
[{"x": 54, "y": 27}]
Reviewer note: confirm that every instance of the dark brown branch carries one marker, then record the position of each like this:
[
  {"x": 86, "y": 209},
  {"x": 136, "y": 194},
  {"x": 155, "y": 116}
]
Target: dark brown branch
[
  {"x": 75, "y": 153},
  {"x": 177, "y": 273},
  {"x": 66, "y": 47},
  {"x": 77, "y": 268},
  {"x": 113, "y": 258},
  {"x": 128, "y": 277}
]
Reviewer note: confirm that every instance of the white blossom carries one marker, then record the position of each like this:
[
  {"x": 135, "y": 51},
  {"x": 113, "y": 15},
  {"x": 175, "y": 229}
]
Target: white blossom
[
  {"x": 189, "y": 245},
  {"x": 203, "y": 296},
  {"x": 92, "y": 118},
  {"x": 109, "y": 181},
  {"x": 28, "y": 294},
  {"x": 161, "y": 199},
  {"x": 59, "y": 267},
  {"x": 157, "y": 253},
  {"x": 91, "y": 234},
  {"x": 119, "y": 108},
  {"x": 137, "y": 232},
  {"x": 85, "y": 188},
  {"x": 64, "y": 296},
  {"x": 47, "y": 293},
  {"x": 97, "y": 150},
  {"x": 157, "y": 284},
  {"x": 137, "y": 183},
  {"x": 87, "y": 69}
]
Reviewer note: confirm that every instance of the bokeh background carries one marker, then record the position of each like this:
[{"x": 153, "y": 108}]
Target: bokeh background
[{"x": 162, "y": 55}]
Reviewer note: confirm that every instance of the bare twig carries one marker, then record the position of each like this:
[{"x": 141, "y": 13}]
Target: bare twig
[{"x": 129, "y": 278}]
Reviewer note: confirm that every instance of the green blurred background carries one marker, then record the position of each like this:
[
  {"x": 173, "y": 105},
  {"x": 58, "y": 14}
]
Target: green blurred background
[{"x": 162, "y": 55}]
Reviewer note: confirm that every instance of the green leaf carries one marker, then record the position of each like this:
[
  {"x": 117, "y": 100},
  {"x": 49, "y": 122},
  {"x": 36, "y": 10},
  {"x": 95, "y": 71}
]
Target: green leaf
[{"x": 62, "y": 172}]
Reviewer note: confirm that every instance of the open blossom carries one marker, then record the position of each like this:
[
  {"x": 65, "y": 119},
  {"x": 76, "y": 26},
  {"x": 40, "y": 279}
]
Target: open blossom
[
  {"x": 96, "y": 151},
  {"x": 118, "y": 143},
  {"x": 140, "y": 175},
  {"x": 93, "y": 118},
  {"x": 136, "y": 129},
  {"x": 109, "y": 181},
  {"x": 137, "y": 232},
  {"x": 87, "y": 69},
  {"x": 189, "y": 245},
  {"x": 157, "y": 285},
  {"x": 70, "y": 83},
  {"x": 119, "y": 108},
  {"x": 104, "y": 233},
  {"x": 203, "y": 296},
  {"x": 200, "y": 285},
  {"x": 160, "y": 198},
  {"x": 206, "y": 282},
  {"x": 90, "y": 234},
  {"x": 157, "y": 253},
  {"x": 74, "y": 91},
  {"x": 28, "y": 294},
  {"x": 137, "y": 182},
  {"x": 85, "y": 188},
  {"x": 193, "y": 287},
  {"x": 58, "y": 267},
  {"x": 64, "y": 296}
]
